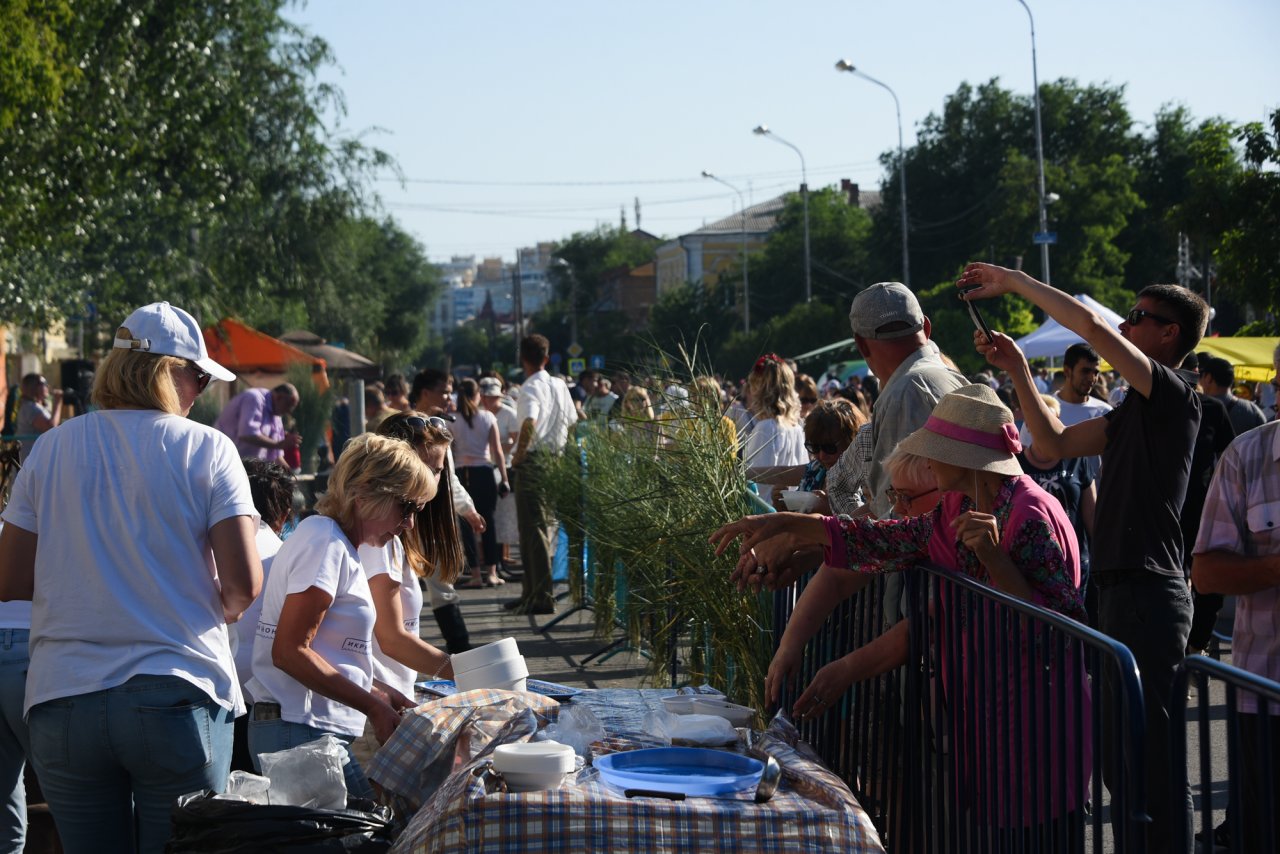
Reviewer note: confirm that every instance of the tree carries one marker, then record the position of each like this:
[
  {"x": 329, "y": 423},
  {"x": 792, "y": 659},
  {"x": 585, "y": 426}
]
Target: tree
[
  {"x": 691, "y": 314},
  {"x": 577, "y": 277},
  {"x": 192, "y": 165},
  {"x": 973, "y": 184},
  {"x": 35, "y": 66},
  {"x": 1249, "y": 256},
  {"x": 838, "y": 234},
  {"x": 806, "y": 326}
]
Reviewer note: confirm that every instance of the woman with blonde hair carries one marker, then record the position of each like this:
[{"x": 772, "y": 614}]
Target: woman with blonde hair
[
  {"x": 313, "y": 670},
  {"x": 431, "y": 550},
  {"x": 777, "y": 434},
  {"x": 131, "y": 530}
]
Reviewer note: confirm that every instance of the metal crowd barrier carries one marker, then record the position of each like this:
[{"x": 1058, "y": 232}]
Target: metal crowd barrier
[
  {"x": 1255, "y": 730},
  {"x": 990, "y": 738}
]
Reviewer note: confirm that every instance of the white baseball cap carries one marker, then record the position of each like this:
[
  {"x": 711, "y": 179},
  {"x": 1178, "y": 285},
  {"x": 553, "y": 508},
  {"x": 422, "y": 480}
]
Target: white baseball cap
[{"x": 166, "y": 330}]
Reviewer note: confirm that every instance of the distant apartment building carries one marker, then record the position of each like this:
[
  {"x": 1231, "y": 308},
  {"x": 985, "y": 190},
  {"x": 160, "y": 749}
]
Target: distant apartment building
[{"x": 469, "y": 284}]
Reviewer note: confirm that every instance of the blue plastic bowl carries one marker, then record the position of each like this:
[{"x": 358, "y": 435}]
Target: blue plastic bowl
[{"x": 691, "y": 770}]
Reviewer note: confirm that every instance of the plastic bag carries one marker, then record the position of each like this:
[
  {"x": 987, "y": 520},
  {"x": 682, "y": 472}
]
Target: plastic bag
[
  {"x": 248, "y": 788},
  {"x": 309, "y": 775},
  {"x": 205, "y": 824},
  {"x": 577, "y": 727},
  {"x": 690, "y": 729}
]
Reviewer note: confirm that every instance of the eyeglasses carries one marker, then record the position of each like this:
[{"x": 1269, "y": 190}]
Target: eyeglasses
[
  {"x": 901, "y": 499},
  {"x": 822, "y": 447},
  {"x": 202, "y": 377},
  {"x": 811, "y": 401},
  {"x": 405, "y": 429},
  {"x": 1135, "y": 315}
]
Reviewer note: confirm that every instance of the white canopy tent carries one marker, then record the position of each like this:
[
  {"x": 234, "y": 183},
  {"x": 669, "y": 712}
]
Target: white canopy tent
[{"x": 1052, "y": 339}]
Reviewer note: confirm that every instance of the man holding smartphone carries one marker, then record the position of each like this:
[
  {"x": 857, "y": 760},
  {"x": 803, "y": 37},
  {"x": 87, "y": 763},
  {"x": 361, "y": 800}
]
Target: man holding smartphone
[{"x": 1146, "y": 445}]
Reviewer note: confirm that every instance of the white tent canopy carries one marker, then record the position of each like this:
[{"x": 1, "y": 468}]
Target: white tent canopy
[{"x": 1052, "y": 339}]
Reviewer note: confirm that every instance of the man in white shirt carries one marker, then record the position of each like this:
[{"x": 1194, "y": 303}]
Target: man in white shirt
[
  {"x": 546, "y": 414},
  {"x": 1079, "y": 373}
]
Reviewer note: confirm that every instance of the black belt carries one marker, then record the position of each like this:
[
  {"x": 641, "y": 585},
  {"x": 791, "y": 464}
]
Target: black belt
[{"x": 266, "y": 711}]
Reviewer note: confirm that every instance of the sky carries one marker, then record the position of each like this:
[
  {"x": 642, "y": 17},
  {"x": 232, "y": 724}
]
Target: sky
[{"x": 518, "y": 122}]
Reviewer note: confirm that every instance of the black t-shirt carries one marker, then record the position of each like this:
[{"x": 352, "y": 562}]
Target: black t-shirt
[
  {"x": 1145, "y": 468},
  {"x": 1066, "y": 481},
  {"x": 1215, "y": 434}
]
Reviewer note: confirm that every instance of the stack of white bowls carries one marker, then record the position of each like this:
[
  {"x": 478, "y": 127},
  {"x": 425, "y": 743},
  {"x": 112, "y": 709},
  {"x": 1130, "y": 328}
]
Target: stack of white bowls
[{"x": 494, "y": 665}]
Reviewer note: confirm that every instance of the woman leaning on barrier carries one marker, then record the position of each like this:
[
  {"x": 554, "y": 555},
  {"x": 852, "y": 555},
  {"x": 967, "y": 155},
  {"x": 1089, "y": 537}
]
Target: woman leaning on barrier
[
  {"x": 131, "y": 529},
  {"x": 993, "y": 524}
]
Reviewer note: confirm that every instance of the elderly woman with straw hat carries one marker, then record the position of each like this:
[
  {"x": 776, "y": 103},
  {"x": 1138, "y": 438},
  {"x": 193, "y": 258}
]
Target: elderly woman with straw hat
[{"x": 993, "y": 524}]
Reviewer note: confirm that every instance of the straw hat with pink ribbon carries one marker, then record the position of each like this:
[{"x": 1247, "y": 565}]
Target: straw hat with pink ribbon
[{"x": 969, "y": 428}]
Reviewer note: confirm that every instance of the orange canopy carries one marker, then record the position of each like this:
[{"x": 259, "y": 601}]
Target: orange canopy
[{"x": 244, "y": 350}]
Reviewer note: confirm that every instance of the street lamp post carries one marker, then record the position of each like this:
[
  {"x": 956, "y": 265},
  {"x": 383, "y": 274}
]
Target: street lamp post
[
  {"x": 763, "y": 130},
  {"x": 845, "y": 65},
  {"x": 1044, "y": 215},
  {"x": 746, "y": 287}
]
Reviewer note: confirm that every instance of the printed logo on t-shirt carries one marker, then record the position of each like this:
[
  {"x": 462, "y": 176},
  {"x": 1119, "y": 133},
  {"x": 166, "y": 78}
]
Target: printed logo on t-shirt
[
  {"x": 411, "y": 626},
  {"x": 359, "y": 645},
  {"x": 266, "y": 630}
]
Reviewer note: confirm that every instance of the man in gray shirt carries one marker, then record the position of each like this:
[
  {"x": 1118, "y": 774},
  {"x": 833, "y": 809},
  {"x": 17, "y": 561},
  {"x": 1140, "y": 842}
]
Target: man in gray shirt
[{"x": 1216, "y": 377}]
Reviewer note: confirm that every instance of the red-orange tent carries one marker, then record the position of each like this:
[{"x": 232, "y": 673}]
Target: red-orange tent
[{"x": 246, "y": 351}]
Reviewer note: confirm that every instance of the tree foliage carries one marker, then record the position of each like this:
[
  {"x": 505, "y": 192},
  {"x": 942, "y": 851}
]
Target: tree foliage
[
  {"x": 1250, "y": 251},
  {"x": 35, "y": 66},
  {"x": 190, "y": 161}
]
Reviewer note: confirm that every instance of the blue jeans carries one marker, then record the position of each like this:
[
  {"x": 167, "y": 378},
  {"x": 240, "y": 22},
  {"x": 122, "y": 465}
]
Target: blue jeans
[
  {"x": 14, "y": 745},
  {"x": 123, "y": 755},
  {"x": 276, "y": 735}
]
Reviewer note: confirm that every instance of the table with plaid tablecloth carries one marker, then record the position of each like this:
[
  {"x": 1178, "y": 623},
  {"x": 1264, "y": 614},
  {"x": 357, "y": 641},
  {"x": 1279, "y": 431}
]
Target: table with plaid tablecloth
[{"x": 812, "y": 811}]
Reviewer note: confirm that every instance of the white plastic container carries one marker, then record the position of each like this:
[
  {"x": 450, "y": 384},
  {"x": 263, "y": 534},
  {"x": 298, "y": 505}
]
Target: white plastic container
[
  {"x": 679, "y": 705},
  {"x": 732, "y": 712},
  {"x": 798, "y": 501},
  {"x": 507, "y": 675},
  {"x": 483, "y": 656},
  {"x": 533, "y": 766}
]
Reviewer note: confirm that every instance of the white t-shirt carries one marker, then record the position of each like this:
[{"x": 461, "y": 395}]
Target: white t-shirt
[
  {"x": 247, "y": 626},
  {"x": 122, "y": 501},
  {"x": 547, "y": 401},
  {"x": 771, "y": 444},
  {"x": 317, "y": 554},
  {"x": 471, "y": 441},
  {"x": 1072, "y": 413},
  {"x": 15, "y": 614},
  {"x": 390, "y": 560},
  {"x": 508, "y": 428}
]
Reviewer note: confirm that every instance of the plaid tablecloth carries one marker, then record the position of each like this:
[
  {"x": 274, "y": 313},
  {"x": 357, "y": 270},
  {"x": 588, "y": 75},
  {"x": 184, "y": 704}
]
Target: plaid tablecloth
[{"x": 812, "y": 811}]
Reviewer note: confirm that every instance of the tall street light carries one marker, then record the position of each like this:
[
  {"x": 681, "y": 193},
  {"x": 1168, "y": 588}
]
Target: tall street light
[
  {"x": 846, "y": 65},
  {"x": 1044, "y": 216},
  {"x": 746, "y": 287},
  {"x": 763, "y": 130}
]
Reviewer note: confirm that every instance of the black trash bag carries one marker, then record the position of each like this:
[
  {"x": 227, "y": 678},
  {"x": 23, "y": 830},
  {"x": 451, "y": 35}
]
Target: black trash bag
[{"x": 202, "y": 823}]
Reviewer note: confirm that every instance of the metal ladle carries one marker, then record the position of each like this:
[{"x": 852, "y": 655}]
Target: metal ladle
[{"x": 770, "y": 777}]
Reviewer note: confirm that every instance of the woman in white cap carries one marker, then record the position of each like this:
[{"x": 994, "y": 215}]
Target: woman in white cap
[
  {"x": 131, "y": 529},
  {"x": 481, "y": 469},
  {"x": 993, "y": 524}
]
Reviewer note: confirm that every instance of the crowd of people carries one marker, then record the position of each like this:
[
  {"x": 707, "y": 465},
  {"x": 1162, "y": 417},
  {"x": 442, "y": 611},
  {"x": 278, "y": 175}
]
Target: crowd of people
[{"x": 136, "y": 537}]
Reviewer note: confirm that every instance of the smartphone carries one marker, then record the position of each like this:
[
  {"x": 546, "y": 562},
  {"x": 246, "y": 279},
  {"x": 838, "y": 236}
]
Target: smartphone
[{"x": 974, "y": 314}]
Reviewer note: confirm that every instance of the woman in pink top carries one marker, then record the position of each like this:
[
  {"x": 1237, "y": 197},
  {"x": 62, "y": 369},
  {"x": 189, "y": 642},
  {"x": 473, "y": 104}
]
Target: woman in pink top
[{"x": 482, "y": 471}]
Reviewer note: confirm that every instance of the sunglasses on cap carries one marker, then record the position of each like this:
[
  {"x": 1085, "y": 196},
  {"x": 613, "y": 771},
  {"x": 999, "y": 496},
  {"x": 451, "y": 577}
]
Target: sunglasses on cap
[
  {"x": 822, "y": 447},
  {"x": 1135, "y": 315}
]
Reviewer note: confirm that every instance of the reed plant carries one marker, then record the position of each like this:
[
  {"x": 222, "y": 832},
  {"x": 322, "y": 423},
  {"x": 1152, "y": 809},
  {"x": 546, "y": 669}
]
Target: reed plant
[{"x": 646, "y": 495}]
